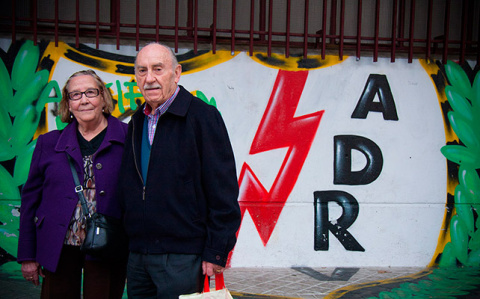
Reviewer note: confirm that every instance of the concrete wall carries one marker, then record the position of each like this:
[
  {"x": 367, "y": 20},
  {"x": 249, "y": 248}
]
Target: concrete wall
[{"x": 339, "y": 162}]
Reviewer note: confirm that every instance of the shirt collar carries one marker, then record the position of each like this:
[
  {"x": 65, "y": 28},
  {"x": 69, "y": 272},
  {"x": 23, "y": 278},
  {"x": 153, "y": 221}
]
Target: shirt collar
[{"x": 147, "y": 109}]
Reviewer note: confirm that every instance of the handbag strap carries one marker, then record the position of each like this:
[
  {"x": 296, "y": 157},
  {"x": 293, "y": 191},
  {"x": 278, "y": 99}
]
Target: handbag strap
[
  {"x": 219, "y": 283},
  {"x": 78, "y": 187}
]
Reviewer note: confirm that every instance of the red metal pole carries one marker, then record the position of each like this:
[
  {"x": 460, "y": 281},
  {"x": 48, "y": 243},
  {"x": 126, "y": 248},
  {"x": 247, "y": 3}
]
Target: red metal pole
[
  {"x": 464, "y": 31},
  {"x": 262, "y": 19},
  {"x": 401, "y": 33},
  {"x": 287, "y": 29},
  {"x": 177, "y": 12},
  {"x": 478, "y": 45},
  {"x": 157, "y": 21},
  {"x": 446, "y": 32},
  {"x": 394, "y": 30},
  {"x": 232, "y": 46},
  {"x": 195, "y": 28},
  {"x": 56, "y": 20},
  {"x": 97, "y": 24},
  {"x": 305, "y": 31},
  {"x": 333, "y": 20},
  {"x": 429, "y": 30},
  {"x": 214, "y": 37},
  {"x": 77, "y": 23},
  {"x": 117, "y": 21},
  {"x": 137, "y": 25},
  {"x": 377, "y": 24},
  {"x": 189, "y": 17},
  {"x": 412, "y": 32},
  {"x": 324, "y": 28},
  {"x": 359, "y": 28},
  {"x": 270, "y": 11},
  {"x": 14, "y": 37},
  {"x": 252, "y": 24},
  {"x": 342, "y": 28}
]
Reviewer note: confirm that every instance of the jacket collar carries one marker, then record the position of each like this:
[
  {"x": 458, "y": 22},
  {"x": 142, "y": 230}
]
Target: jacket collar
[
  {"x": 178, "y": 107},
  {"x": 181, "y": 103},
  {"x": 67, "y": 142}
]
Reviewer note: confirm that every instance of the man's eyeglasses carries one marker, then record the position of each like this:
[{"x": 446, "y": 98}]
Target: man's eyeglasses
[{"x": 89, "y": 93}]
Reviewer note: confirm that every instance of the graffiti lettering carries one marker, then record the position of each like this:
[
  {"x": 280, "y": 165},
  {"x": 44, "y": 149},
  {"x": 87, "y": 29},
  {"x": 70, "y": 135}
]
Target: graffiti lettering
[
  {"x": 343, "y": 174},
  {"x": 339, "y": 226},
  {"x": 376, "y": 84},
  {"x": 130, "y": 95}
]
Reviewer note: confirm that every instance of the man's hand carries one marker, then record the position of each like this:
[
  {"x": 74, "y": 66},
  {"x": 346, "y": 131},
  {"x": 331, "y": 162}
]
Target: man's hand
[
  {"x": 211, "y": 269},
  {"x": 31, "y": 271}
]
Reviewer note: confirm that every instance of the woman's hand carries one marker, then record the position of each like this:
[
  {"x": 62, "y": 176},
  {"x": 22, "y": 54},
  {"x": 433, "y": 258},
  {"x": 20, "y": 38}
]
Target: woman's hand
[{"x": 32, "y": 271}]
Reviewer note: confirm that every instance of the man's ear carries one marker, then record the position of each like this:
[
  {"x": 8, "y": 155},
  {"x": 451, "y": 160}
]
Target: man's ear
[{"x": 178, "y": 72}]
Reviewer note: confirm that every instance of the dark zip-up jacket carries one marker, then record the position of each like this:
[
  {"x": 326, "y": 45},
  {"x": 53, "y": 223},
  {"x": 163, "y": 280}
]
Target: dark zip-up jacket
[{"x": 189, "y": 202}]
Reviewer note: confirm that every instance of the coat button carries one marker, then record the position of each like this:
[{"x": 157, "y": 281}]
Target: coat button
[
  {"x": 98, "y": 166},
  {"x": 102, "y": 192}
]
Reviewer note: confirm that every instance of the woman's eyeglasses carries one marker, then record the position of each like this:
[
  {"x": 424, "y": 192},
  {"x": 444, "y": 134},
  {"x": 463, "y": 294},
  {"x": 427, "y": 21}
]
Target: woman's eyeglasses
[{"x": 89, "y": 93}]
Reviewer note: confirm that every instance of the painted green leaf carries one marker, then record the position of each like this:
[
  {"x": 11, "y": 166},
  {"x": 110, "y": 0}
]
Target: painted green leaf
[
  {"x": 448, "y": 258},
  {"x": 464, "y": 130},
  {"x": 468, "y": 177},
  {"x": 25, "y": 65},
  {"x": 476, "y": 91},
  {"x": 474, "y": 258},
  {"x": 201, "y": 96},
  {"x": 459, "y": 103},
  {"x": 8, "y": 190},
  {"x": 24, "y": 126},
  {"x": 213, "y": 102},
  {"x": 5, "y": 123},
  {"x": 387, "y": 295},
  {"x": 10, "y": 217},
  {"x": 22, "y": 164},
  {"x": 31, "y": 92},
  {"x": 6, "y": 151},
  {"x": 204, "y": 98},
  {"x": 461, "y": 155},
  {"x": 463, "y": 208},
  {"x": 6, "y": 92},
  {"x": 459, "y": 235},
  {"x": 474, "y": 243},
  {"x": 457, "y": 77}
]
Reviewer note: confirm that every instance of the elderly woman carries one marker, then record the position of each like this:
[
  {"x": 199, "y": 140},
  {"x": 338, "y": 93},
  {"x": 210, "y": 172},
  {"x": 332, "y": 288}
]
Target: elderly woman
[{"x": 52, "y": 226}]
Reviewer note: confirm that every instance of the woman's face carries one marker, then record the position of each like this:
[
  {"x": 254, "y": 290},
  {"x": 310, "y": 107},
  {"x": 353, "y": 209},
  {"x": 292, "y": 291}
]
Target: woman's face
[{"x": 85, "y": 100}]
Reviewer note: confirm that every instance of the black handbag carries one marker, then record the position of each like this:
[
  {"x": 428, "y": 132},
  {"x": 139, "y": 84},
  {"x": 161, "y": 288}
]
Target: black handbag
[{"x": 105, "y": 236}]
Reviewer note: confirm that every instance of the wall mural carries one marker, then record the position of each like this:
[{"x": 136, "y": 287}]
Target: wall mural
[{"x": 340, "y": 163}]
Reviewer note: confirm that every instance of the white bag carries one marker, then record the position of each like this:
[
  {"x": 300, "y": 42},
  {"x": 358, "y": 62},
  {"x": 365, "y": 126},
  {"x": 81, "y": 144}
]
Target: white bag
[{"x": 220, "y": 292}]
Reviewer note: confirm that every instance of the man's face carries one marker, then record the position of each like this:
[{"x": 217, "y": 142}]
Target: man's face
[{"x": 156, "y": 77}]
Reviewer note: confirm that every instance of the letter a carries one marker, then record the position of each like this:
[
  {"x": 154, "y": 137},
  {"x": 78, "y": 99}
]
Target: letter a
[{"x": 376, "y": 84}]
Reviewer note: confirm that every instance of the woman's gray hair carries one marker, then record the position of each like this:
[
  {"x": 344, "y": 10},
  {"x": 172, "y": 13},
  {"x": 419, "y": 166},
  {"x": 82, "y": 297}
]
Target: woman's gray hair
[{"x": 63, "y": 110}]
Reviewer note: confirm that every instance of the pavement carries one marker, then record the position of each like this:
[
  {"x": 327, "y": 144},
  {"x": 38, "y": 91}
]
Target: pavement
[{"x": 305, "y": 282}]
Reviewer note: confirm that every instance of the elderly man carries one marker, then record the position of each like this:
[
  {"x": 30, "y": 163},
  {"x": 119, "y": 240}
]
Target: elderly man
[{"x": 178, "y": 184}]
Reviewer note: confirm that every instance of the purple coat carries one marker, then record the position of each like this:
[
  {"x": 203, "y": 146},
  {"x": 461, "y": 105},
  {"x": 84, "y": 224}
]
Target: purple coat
[{"x": 49, "y": 198}]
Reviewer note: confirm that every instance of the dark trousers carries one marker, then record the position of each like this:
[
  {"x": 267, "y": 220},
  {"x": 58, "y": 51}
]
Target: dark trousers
[
  {"x": 163, "y": 276},
  {"x": 101, "y": 280}
]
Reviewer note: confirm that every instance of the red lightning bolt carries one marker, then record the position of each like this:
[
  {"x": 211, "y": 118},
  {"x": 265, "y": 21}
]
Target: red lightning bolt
[{"x": 278, "y": 129}]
